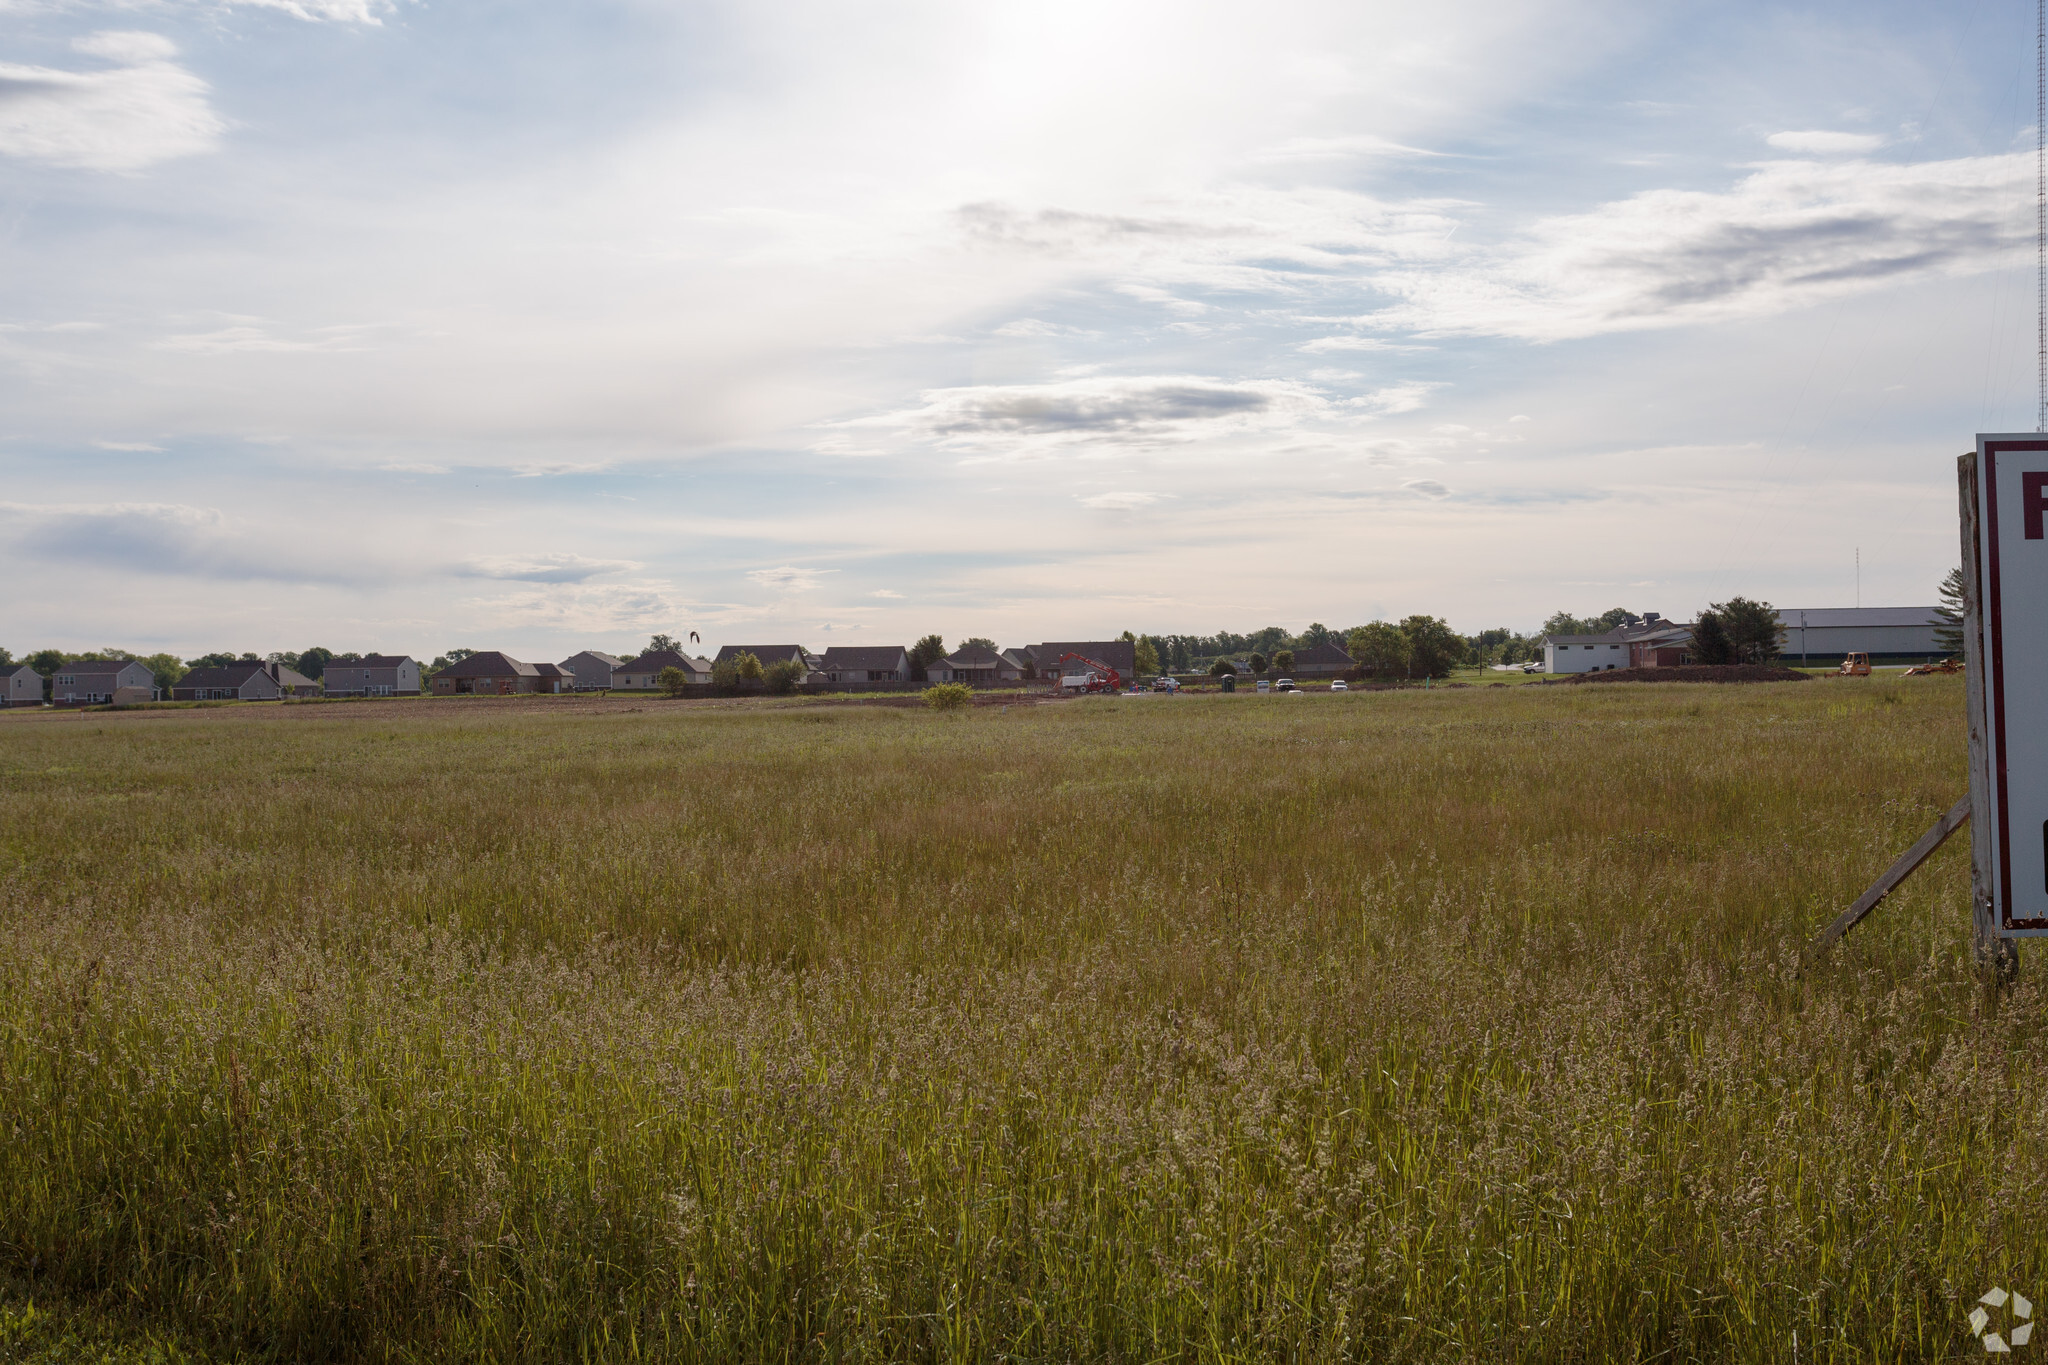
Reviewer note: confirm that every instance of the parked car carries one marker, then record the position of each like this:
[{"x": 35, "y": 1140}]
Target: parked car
[
  {"x": 1165, "y": 685},
  {"x": 1265, "y": 686},
  {"x": 1284, "y": 685},
  {"x": 1338, "y": 686}
]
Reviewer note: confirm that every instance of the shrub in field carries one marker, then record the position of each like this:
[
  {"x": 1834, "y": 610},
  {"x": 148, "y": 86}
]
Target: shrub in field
[
  {"x": 747, "y": 667},
  {"x": 673, "y": 680},
  {"x": 782, "y": 676},
  {"x": 948, "y": 696},
  {"x": 1283, "y": 662},
  {"x": 1222, "y": 668}
]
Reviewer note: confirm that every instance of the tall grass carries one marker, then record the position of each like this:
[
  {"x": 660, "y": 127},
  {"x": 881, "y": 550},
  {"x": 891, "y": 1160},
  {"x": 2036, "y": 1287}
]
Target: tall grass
[{"x": 1459, "y": 1025}]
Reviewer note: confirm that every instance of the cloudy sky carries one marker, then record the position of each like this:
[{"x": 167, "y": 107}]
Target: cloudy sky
[{"x": 404, "y": 324}]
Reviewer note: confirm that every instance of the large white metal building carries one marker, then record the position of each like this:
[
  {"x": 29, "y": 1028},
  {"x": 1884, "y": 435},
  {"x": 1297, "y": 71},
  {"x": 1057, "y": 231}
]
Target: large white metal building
[{"x": 1825, "y": 634}]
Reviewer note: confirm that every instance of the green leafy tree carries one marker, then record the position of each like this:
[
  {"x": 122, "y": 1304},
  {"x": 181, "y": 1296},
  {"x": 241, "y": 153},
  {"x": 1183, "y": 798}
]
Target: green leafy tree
[
  {"x": 1316, "y": 634},
  {"x": 313, "y": 662},
  {"x": 1379, "y": 649},
  {"x": 1434, "y": 649},
  {"x": 1257, "y": 663},
  {"x": 1948, "y": 616},
  {"x": 673, "y": 680},
  {"x": 725, "y": 675},
  {"x": 667, "y": 642},
  {"x": 1710, "y": 642},
  {"x": 981, "y": 640},
  {"x": 747, "y": 667},
  {"x": 1222, "y": 668},
  {"x": 166, "y": 669},
  {"x": 6, "y": 657},
  {"x": 46, "y": 661},
  {"x": 783, "y": 675},
  {"x": 217, "y": 659},
  {"x": 1146, "y": 656},
  {"x": 924, "y": 654},
  {"x": 1753, "y": 629},
  {"x": 1283, "y": 662},
  {"x": 948, "y": 696},
  {"x": 1268, "y": 640}
]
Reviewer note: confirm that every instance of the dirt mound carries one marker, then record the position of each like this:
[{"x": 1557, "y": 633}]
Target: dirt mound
[{"x": 1718, "y": 673}]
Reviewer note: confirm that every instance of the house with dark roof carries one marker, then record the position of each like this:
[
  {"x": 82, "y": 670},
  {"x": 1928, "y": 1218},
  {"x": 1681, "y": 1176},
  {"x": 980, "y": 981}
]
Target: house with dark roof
[
  {"x": 646, "y": 670},
  {"x": 373, "y": 675},
  {"x": 865, "y": 664},
  {"x": 24, "y": 686},
  {"x": 243, "y": 680},
  {"x": 592, "y": 670},
  {"x": 1122, "y": 655},
  {"x": 1326, "y": 660},
  {"x": 494, "y": 673},
  {"x": 975, "y": 664},
  {"x": 119, "y": 681}
]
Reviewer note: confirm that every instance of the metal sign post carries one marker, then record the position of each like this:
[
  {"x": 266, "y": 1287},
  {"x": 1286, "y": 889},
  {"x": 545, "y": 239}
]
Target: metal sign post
[{"x": 2004, "y": 494}]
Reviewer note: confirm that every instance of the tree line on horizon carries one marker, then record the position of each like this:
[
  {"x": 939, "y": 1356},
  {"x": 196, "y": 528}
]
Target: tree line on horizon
[{"x": 1739, "y": 630}]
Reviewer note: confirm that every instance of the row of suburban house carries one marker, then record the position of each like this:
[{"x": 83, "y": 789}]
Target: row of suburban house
[{"x": 494, "y": 672}]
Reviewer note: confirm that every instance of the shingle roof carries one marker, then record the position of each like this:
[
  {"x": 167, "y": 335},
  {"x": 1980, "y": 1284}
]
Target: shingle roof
[
  {"x": 881, "y": 657},
  {"x": 1324, "y": 653},
  {"x": 372, "y": 661},
  {"x": 1121, "y": 655},
  {"x": 229, "y": 675},
  {"x": 489, "y": 663},
  {"x": 654, "y": 660},
  {"x": 99, "y": 668},
  {"x": 767, "y": 654},
  {"x": 596, "y": 654},
  {"x": 973, "y": 656}
]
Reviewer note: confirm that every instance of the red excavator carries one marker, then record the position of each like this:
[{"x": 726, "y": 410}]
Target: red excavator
[{"x": 1100, "y": 677}]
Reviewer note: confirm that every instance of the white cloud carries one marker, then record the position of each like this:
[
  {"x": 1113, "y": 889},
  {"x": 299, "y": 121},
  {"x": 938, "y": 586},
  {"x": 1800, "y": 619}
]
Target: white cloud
[
  {"x": 550, "y": 568},
  {"x": 885, "y": 592},
  {"x": 150, "y": 538},
  {"x": 1153, "y": 409},
  {"x": 1395, "y": 398},
  {"x": 139, "y": 447},
  {"x": 1122, "y": 502},
  {"x": 1427, "y": 488},
  {"x": 788, "y": 578},
  {"x": 245, "y": 336},
  {"x": 1820, "y": 142},
  {"x": 332, "y": 11},
  {"x": 144, "y": 110},
  {"x": 406, "y": 467},
  {"x": 1324, "y": 344},
  {"x": 583, "y": 607},
  {"x": 1790, "y": 234}
]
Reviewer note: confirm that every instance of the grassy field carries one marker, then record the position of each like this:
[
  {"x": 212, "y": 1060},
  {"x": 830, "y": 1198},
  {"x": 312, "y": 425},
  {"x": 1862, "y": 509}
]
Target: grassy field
[{"x": 1447, "y": 1025}]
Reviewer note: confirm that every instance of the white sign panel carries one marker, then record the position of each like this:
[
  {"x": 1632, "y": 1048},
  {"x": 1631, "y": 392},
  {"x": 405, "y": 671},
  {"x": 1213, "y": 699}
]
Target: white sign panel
[{"x": 2012, "y": 579}]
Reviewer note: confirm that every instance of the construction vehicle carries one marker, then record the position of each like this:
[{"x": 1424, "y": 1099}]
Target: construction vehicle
[
  {"x": 1923, "y": 670},
  {"x": 1856, "y": 665},
  {"x": 1099, "y": 676}
]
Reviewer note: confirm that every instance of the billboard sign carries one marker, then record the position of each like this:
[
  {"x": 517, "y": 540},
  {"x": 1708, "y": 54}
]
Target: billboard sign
[{"x": 2007, "y": 641}]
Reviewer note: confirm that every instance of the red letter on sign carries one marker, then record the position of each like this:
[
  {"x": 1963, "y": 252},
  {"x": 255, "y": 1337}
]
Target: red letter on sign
[{"x": 2032, "y": 503}]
